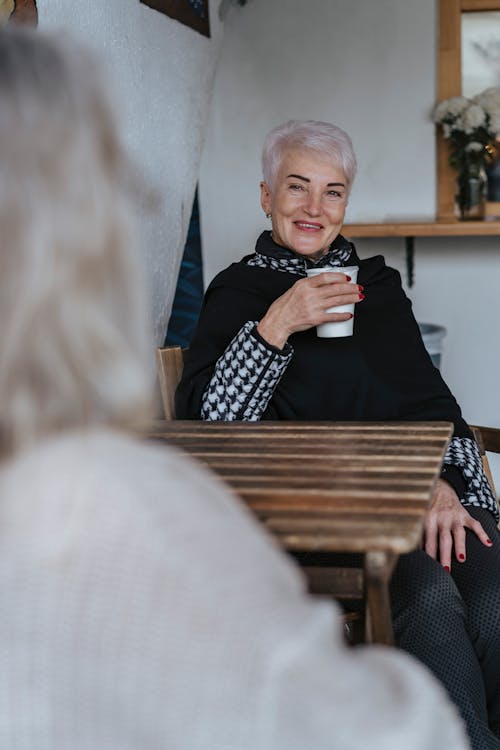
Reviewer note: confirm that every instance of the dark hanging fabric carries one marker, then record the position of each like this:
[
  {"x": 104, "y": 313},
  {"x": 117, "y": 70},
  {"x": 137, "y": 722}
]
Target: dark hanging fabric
[{"x": 189, "y": 291}]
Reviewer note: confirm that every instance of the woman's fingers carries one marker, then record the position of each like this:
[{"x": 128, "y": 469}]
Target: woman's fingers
[
  {"x": 329, "y": 277},
  {"x": 331, "y": 294},
  {"x": 312, "y": 300},
  {"x": 478, "y": 530},
  {"x": 333, "y": 285},
  {"x": 446, "y": 524},
  {"x": 431, "y": 536},
  {"x": 457, "y": 540},
  {"x": 442, "y": 539},
  {"x": 460, "y": 543},
  {"x": 445, "y": 548},
  {"x": 343, "y": 294},
  {"x": 304, "y": 305},
  {"x": 335, "y": 317}
]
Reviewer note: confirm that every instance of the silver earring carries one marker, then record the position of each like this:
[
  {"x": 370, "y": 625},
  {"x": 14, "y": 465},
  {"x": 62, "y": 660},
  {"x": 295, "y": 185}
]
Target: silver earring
[{"x": 268, "y": 216}]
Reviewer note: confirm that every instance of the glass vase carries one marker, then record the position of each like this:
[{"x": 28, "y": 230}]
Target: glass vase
[
  {"x": 471, "y": 192},
  {"x": 493, "y": 176}
]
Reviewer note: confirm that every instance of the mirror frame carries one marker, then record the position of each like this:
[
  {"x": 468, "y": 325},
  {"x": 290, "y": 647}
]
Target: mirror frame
[{"x": 450, "y": 84}]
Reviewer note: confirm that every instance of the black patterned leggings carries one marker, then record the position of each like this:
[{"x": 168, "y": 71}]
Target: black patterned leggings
[{"x": 451, "y": 623}]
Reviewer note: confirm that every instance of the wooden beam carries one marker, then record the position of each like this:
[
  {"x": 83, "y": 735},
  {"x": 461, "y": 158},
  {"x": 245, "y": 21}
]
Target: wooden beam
[
  {"x": 452, "y": 228},
  {"x": 449, "y": 84},
  {"x": 471, "y": 6}
]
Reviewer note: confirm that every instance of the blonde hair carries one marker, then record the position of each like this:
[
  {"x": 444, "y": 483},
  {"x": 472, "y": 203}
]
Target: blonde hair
[
  {"x": 6, "y": 9},
  {"x": 73, "y": 341},
  {"x": 323, "y": 138}
]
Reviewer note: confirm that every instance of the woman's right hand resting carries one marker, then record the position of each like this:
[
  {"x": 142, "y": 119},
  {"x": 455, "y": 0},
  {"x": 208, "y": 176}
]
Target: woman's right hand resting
[
  {"x": 304, "y": 304},
  {"x": 445, "y": 525}
]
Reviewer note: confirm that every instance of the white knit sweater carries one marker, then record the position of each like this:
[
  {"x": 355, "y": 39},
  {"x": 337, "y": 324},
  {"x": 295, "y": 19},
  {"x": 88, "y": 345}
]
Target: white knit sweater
[{"x": 142, "y": 608}]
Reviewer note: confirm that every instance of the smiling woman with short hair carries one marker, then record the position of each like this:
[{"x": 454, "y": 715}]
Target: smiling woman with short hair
[{"x": 256, "y": 355}]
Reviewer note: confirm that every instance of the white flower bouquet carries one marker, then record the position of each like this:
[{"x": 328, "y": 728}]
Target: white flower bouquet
[{"x": 471, "y": 126}]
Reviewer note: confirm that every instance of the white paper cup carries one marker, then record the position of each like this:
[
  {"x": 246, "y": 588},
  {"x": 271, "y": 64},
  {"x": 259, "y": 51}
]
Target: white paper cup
[{"x": 343, "y": 327}]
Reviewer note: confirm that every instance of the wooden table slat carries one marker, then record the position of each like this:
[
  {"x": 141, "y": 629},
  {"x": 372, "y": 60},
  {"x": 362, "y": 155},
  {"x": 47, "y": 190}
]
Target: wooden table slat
[
  {"x": 184, "y": 426},
  {"x": 396, "y": 481},
  {"x": 343, "y": 456},
  {"x": 285, "y": 467}
]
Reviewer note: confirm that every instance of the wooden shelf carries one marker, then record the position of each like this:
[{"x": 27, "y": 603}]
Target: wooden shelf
[
  {"x": 411, "y": 229},
  {"x": 423, "y": 229}
]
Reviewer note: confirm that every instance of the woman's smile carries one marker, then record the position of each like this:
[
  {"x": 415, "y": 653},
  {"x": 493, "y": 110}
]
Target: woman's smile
[{"x": 307, "y": 227}]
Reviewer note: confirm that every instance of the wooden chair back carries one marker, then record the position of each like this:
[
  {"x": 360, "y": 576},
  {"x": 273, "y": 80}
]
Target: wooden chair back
[
  {"x": 488, "y": 439},
  {"x": 170, "y": 362}
]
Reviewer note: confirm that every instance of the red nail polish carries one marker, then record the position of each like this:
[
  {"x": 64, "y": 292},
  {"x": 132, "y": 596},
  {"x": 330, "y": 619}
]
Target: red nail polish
[
  {"x": 447, "y": 568},
  {"x": 461, "y": 557},
  {"x": 361, "y": 288},
  {"x": 488, "y": 541},
  {"x": 348, "y": 277},
  {"x": 361, "y": 296}
]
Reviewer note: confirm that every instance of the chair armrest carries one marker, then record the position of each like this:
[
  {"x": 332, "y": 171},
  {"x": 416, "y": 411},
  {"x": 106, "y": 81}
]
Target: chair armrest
[{"x": 488, "y": 438}]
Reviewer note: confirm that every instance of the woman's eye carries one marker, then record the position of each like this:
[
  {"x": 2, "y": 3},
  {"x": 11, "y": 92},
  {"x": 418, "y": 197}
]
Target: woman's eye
[
  {"x": 335, "y": 194},
  {"x": 296, "y": 187}
]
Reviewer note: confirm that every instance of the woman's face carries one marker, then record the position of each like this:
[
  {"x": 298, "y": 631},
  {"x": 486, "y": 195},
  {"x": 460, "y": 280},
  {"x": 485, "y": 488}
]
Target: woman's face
[{"x": 307, "y": 204}]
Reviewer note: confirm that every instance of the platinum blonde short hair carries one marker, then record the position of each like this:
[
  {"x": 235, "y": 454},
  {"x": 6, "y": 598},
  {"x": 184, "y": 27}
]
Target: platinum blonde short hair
[
  {"x": 325, "y": 139},
  {"x": 73, "y": 322}
]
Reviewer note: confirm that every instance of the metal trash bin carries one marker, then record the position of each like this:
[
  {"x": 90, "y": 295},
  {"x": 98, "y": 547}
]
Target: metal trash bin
[{"x": 433, "y": 336}]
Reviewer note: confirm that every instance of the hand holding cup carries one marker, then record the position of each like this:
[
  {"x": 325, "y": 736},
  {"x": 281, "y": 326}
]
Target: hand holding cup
[
  {"x": 310, "y": 302},
  {"x": 337, "y": 328}
]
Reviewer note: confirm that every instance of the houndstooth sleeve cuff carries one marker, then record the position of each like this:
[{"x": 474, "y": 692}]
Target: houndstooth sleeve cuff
[
  {"x": 245, "y": 377},
  {"x": 464, "y": 453}
]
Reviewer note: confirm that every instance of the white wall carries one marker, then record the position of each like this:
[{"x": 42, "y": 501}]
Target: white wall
[
  {"x": 370, "y": 67},
  {"x": 161, "y": 74}
]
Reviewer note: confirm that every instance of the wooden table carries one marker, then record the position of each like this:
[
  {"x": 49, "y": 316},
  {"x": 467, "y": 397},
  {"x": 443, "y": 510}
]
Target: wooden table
[{"x": 328, "y": 486}]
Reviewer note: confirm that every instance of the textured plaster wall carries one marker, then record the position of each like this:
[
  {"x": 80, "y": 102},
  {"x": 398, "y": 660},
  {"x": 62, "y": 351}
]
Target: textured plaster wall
[
  {"x": 161, "y": 74},
  {"x": 370, "y": 67}
]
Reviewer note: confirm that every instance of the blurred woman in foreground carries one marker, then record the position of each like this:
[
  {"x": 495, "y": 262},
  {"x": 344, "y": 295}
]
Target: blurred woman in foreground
[{"x": 141, "y": 606}]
